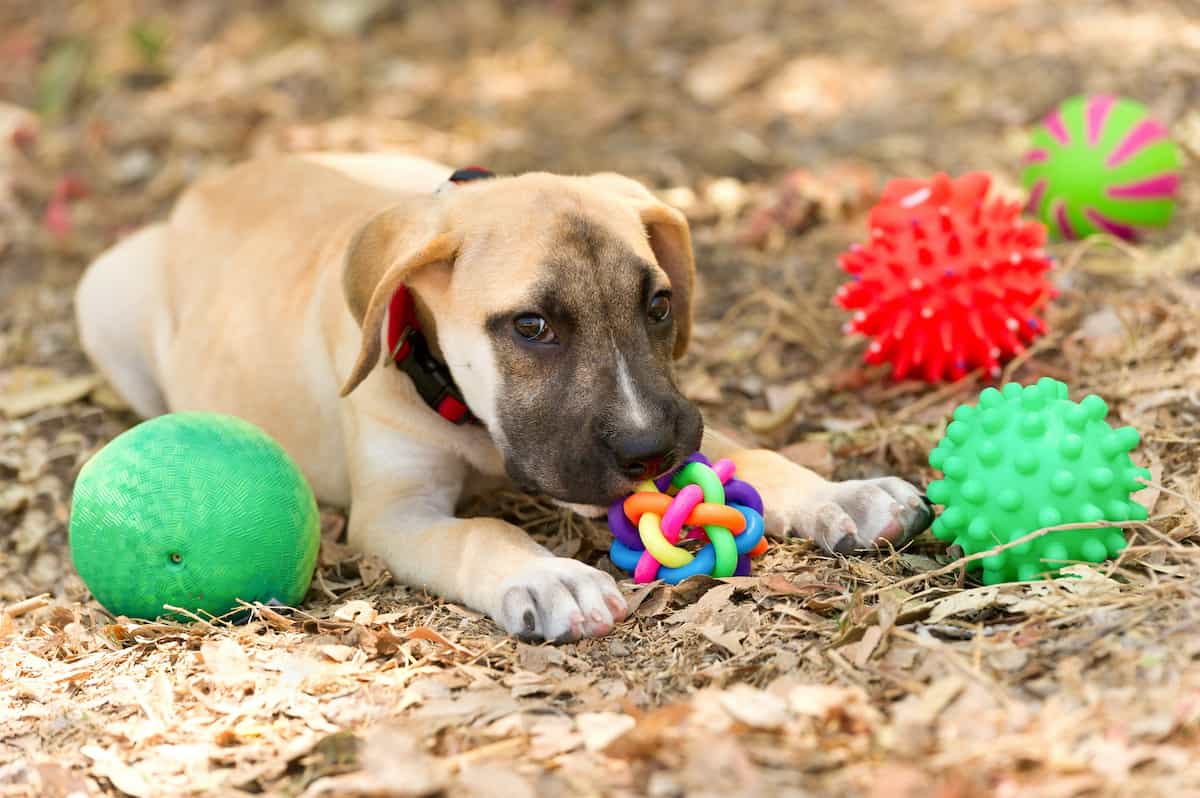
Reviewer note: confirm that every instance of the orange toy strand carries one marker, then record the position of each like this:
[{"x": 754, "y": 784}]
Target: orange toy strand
[
  {"x": 645, "y": 502},
  {"x": 706, "y": 513}
]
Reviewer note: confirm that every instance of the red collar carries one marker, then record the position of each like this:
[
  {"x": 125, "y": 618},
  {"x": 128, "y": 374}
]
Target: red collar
[
  {"x": 410, "y": 352},
  {"x": 409, "y": 349}
]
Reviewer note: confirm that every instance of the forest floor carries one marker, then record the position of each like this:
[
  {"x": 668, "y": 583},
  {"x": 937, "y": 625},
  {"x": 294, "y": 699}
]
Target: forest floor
[{"x": 772, "y": 125}]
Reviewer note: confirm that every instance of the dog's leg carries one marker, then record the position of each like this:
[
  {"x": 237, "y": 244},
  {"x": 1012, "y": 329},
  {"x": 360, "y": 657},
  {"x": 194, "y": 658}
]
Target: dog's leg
[
  {"x": 402, "y": 510},
  {"x": 838, "y": 516},
  {"x": 114, "y": 307}
]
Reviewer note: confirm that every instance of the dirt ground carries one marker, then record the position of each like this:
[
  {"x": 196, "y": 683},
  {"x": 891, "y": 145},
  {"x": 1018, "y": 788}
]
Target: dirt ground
[{"x": 772, "y": 124}]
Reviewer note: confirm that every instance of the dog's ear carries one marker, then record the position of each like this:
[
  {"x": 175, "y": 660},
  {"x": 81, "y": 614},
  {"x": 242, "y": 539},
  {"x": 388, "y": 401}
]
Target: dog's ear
[
  {"x": 383, "y": 254},
  {"x": 671, "y": 241}
]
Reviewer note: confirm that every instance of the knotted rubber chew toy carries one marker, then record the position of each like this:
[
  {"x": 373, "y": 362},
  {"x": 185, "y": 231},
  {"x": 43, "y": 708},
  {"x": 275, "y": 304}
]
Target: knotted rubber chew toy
[{"x": 700, "y": 501}]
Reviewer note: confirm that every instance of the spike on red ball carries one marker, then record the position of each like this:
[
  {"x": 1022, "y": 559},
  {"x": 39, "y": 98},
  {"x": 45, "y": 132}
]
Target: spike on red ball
[{"x": 949, "y": 281}]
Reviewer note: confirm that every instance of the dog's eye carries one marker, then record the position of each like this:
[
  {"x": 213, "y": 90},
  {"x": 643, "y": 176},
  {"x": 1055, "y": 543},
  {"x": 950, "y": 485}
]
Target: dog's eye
[
  {"x": 534, "y": 328},
  {"x": 660, "y": 306}
]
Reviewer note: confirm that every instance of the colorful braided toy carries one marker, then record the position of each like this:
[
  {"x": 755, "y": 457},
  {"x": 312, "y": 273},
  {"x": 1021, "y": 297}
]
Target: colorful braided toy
[{"x": 700, "y": 500}]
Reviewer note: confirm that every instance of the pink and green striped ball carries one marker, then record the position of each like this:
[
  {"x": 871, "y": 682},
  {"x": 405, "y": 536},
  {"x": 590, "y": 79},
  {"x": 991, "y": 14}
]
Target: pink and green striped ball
[{"x": 1101, "y": 165}]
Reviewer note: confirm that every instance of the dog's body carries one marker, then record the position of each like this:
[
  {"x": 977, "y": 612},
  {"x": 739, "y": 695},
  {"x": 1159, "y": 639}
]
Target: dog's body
[{"x": 264, "y": 295}]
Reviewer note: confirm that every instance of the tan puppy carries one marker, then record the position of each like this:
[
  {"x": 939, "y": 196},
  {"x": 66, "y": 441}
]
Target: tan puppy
[{"x": 558, "y": 305}]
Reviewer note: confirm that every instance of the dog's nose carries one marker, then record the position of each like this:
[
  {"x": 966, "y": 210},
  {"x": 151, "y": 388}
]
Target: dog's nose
[{"x": 645, "y": 454}]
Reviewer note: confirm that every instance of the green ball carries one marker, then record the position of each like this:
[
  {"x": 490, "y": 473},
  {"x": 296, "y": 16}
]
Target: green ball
[
  {"x": 194, "y": 510},
  {"x": 1026, "y": 458},
  {"x": 1101, "y": 165}
]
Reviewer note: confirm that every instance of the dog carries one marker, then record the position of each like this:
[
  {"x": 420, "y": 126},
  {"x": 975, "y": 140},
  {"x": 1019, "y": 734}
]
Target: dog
[{"x": 404, "y": 336}]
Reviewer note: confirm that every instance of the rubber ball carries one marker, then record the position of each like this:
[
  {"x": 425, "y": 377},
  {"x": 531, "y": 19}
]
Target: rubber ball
[
  {"x": 194, "y": 511},
  {"x": 1101, "y": 165}
]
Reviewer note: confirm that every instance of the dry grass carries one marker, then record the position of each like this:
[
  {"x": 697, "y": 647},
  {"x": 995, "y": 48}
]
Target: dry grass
[{"x": 884, "y": 676}]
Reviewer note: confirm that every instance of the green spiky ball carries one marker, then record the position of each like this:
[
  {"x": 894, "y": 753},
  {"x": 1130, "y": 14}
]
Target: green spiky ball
[
  {"x": 1026, "y": 458},
  {"x": 194, "y": 510}
]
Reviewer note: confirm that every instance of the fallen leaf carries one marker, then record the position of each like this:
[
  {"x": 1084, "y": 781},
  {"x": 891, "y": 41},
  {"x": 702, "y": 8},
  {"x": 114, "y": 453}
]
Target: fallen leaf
[
  {"x": 964, "y": 601},
  {"x": 598, "y": 729},
  {"x": 820, "y": 701},
  {"x": 30, "y": 400},
  {"x": 337, "y": 652},
  {"x": 58, "y": 781},
  {"x": 425, "y": 633},
  {"x": 357, "y": 611},
  {"x": 757, "y": 709},
  {"x": 657, "y": 594},
  {"x": 122, "y": 776},
  {"x": 729, "y": 640},
  {"x": 644, "y": 739},
  {"x": 226, "y": 661},
  {"x": 865, "y": 647}
]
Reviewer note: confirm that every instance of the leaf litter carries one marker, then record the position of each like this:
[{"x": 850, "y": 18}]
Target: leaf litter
[{"x": 886, "y": 676}]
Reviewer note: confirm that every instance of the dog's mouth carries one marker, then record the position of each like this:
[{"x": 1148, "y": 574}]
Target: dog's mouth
[{"x": 651, "y": 467}]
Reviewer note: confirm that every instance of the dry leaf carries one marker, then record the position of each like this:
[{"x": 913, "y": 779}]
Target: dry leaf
[
  {"x": 425, "y": 633},
  {"x": 729, "y": 640},
  {"x": 30, "y": 400},
  {"x": 338, "y": 652},
  {"x": 357, "y": 611},
  {"x": 226, "y": 661},
  {"x": 108, "y": 765},
  {"x": 598, "y": 729},
  {"x": 755, "y": 708},
  {"x": 964, "y": 601}
]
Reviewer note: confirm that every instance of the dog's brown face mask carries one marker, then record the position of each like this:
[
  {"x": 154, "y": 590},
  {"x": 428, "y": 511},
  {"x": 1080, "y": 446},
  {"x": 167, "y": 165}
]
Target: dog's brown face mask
[{"x": 559, "y": 305}]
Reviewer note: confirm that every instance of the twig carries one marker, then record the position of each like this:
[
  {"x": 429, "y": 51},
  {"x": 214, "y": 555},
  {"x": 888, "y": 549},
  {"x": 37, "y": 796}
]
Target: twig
[
  {"x": 967, "y": 380},
  {"x": 26, "y": 606},
  {"x": 1034, "y": 535},
  {"x": 1093, "y": 242},
  {"x": 189, "y": 614},
  {"x": 1042, "y": 344}
]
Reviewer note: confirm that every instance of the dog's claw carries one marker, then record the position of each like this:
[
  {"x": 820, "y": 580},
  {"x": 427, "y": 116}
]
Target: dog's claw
[
  {"x": 866, "y": 514},
  {"x": 561, "y": 600}
]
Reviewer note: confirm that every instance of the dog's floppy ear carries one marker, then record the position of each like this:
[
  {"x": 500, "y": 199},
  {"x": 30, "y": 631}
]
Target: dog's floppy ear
[
  {"x": 671, "y": 241},
  {"x": 383, "y": 254}
]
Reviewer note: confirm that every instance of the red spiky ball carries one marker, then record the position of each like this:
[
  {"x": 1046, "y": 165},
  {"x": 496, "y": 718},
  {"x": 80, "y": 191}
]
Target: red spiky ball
[{"x": 950, "y": 281}]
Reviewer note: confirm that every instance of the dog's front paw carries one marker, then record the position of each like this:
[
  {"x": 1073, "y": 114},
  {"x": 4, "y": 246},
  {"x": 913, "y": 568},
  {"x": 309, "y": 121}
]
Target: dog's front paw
[
  {"x": 865, "y": 513},
  {"x": 559, "y": 599}
]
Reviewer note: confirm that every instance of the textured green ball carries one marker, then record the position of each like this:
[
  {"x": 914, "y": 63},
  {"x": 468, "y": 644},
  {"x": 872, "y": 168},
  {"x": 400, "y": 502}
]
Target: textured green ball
[
  {"x": 194, "y": 510},
  {"x": 1101, "y": 165},
  {"x": 1026, "y": 458}
]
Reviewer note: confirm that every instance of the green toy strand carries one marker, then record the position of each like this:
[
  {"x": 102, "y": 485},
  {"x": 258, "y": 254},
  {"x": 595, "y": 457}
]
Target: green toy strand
[{"x": 724, "y": 546}]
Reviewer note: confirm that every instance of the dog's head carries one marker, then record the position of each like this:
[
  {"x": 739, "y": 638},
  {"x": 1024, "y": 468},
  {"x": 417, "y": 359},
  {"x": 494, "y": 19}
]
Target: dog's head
[{"x": 559, "y": 305}]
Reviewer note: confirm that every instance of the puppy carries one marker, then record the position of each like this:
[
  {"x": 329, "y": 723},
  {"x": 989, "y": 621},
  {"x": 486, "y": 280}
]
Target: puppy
[{"x": 403, "y": 336}]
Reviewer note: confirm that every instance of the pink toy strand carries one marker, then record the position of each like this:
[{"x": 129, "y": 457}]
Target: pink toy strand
[
  {"x": 724, "y": 468},
  {"x": 685, "y": 501},
  {"x": 646, "y": 569}
]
